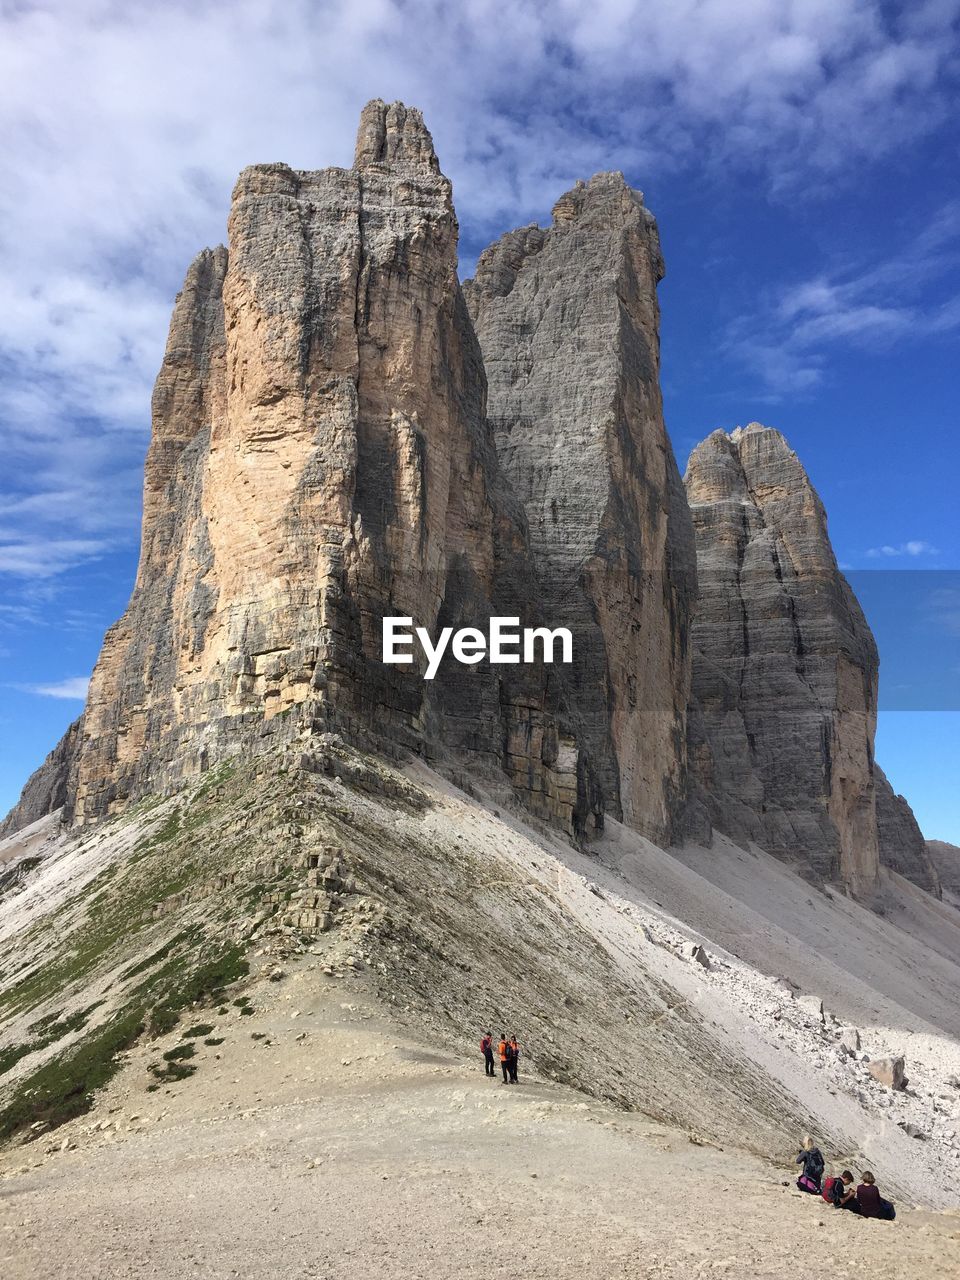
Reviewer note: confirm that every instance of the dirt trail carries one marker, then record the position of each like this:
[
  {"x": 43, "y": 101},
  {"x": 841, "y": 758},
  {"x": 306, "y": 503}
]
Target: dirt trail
[
  {"x": 358, "y": 1152},
  {"x": 339, "y": 1122}
]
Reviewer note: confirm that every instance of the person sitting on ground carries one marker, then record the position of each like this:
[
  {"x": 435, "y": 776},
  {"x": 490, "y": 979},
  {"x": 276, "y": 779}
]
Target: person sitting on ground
[
  {"x": 812, "y": 1160},
  {"x": 514, "y": 1051},
  {"x": 486, "y": 1048},
  {"x": 840, "y": 1192},
  {"x": 504, "y": 1052},
  {"x": 870, "y": 1202}
]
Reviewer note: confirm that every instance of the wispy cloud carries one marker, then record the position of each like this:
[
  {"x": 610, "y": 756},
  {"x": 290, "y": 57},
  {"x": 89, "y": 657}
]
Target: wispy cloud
[
  {"x": 913, "y": 548},
  {"x": 74, "y": 688},
  {"x": 788, "y": 342}
]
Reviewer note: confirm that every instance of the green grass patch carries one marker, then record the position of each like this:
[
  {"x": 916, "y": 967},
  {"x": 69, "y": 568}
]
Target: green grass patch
[
  {"x": 161, "y": 954},
  {"x": 65, "y": 1087},
  {"x": 47, "y": 1031},
  {"x": 201, "y": 1029},
  {"x": 198, "y": 985}
]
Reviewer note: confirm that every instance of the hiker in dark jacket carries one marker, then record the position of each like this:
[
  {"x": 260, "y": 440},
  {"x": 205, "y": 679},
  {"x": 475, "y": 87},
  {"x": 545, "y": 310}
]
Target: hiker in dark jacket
[
  {"x": 812, "y": 1160},
  {"x": 486, "y": 1048},
  {"x": 840, "y": 1192},
  {"x": 870, "y": 1202}
]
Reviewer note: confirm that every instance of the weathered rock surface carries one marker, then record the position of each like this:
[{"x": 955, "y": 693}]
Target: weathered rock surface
[
  {"x": 785, "y": 673},
  {"x": 946, "y": 862},
  {"x": 568, "y": 322},
  {"x": 888, "y": 1071},
  {"x": 48, "y": 788},
  {"x": 902, "y": 846},
  {"x": 321, "y": 458}
]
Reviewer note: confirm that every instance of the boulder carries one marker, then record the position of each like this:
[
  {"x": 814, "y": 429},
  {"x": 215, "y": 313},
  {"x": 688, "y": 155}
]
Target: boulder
[
  {"x": 698, "y": 954},
  {"x": 888, "y": 1071}
]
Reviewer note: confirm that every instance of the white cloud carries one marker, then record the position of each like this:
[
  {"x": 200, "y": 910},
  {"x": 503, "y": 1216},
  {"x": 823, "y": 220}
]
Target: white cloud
[
  {"x": 788, "y": 340},
  {"x": 915, "y": 547},
  {"x": 73, "y": 688},
  {"x": 125, "y": 125}
]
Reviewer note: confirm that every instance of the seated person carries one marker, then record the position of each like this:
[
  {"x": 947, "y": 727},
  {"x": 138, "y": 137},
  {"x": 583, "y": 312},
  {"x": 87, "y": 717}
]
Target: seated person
[
  {"x": 812, "y": 1160},
  {"x": 845, "y": 1193},
  {"x": 869, "y": 1200}
]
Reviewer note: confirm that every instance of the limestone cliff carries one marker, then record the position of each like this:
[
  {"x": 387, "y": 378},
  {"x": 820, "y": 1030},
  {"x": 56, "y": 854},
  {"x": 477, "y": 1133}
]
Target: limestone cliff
[
  {"x": 902, "y": 846},
  {"x": 321, "y": 458},
  {"x": 946, "y": 862},
  {"x": 47, "y": 788},
  {"x": 785, "y": 673},
  {"x": 569, "y": 327}
]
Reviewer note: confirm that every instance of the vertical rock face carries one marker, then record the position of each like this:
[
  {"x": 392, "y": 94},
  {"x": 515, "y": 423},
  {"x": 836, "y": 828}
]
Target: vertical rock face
[
  {"x": 567, "y": 319},
  {"x": 785, "y": 673},
  {"x": 902, "y": 846},
  {"x": 321, "y": 458},
  {"x": 48, "y": 788},
  {"x": 946, "y": 862}
]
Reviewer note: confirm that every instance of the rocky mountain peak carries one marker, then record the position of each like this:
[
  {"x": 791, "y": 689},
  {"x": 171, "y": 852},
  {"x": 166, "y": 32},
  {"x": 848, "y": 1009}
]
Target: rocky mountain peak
[
  {"x": 340, "y": 433},
  {"x": 785, "y": 666},
  {"x": 395, "y": 135},
  {"x": 568, "y": 324}
]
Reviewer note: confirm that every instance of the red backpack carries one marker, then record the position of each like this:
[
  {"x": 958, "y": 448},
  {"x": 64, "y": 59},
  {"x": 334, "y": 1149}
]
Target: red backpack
[{"x": 827, "y": 1192}]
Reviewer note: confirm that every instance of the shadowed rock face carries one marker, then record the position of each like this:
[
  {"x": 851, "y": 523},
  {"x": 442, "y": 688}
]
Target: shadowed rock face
[
  {"x": 946, "y": 862},
  {"x": 568, "y": 323},
  {"x": 48, "y": 788},
  {"x": 785, "y": 673},
  {"x": 320, "y": 458},
  {"x": 902, "y": 846}
]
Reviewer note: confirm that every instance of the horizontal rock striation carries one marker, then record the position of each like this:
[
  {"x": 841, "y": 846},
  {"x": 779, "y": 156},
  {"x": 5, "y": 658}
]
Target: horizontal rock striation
[
  {"x": 567, "y": 319},
  {"x": 321, "y": 458},
  {"x": 902, "y": 846},
  {"x": 49, "y": 787},
  {"x": 785, "y": 672},
  {"x": 946, "y": 862}
]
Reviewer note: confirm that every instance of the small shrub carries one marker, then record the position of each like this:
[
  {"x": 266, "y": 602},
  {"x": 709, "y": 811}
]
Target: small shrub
[
  {"x": 201, "y": 1029},
  {"x": 214, "y": 1040},
  {"x": 180, "y": 1052}
]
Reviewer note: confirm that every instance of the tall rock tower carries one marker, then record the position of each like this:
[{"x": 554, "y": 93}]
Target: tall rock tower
[
  {"x": 321, "y": 458},
  {"x": 569, "y": 326},
  {"x": 785, "y": 673}
]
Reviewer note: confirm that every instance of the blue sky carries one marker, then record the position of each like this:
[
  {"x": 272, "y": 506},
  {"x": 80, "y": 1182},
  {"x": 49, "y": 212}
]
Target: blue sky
[{"x": 802, "y": 161}]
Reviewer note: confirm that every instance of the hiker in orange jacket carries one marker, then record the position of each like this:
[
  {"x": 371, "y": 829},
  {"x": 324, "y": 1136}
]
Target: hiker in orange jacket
[
  {"x": 513, "y": 1057},
  {"x": 503, "y": 1050},
  {"x": 486, "y": 1048}
]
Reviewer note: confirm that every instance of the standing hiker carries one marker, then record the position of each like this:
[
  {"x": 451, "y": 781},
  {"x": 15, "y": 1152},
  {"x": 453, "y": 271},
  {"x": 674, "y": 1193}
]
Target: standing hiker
[
  {"x": 513, "y": 1057},
  {"x": 486, "y": 1048},
  {"x": 812, "y": 1160},
  {"x": 503, "y": 1050}
]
